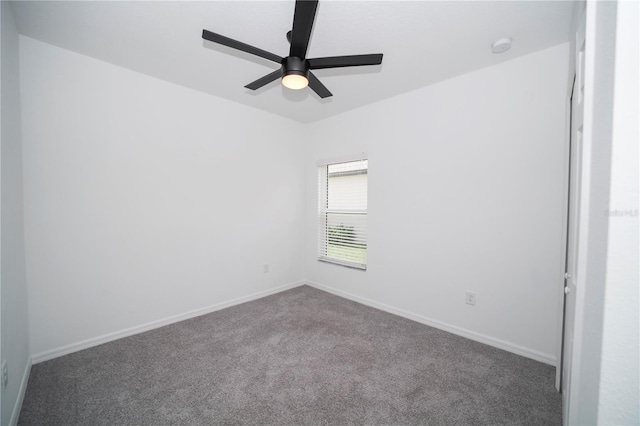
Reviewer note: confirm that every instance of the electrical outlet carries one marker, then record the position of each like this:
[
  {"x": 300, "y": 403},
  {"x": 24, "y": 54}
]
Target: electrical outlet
[
  {"x": 265, "y": 268},
  {"x": 470, "y": 298},
  {"x": 5, "y": 374}
]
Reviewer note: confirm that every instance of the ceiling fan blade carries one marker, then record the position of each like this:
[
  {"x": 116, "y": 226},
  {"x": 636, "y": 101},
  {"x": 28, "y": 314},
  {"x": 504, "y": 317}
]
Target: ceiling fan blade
[
  {"x": 235, "y": 44},
  {"x": 303, "y": 17},
  {"x": 262, "y": 81},
  {"x": 318, "y": 87},
  {"x": 345, "y": 61}
]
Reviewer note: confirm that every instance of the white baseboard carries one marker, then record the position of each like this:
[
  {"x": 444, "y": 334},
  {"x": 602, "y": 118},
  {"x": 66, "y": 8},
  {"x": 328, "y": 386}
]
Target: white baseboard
[
  {"x": 95, "y": 341},
  {"x": 472, "y": 335},
  {"x": 17, "y": 407},
  {"x": 478, "y": 337}
]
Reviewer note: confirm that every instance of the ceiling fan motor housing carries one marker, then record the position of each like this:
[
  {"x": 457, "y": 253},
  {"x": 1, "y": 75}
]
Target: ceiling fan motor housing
[{"x": 295, "y": 65}]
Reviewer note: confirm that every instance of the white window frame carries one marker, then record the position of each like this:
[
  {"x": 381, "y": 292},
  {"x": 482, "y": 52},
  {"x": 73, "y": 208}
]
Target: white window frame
[{"x": 324, "y": 211}]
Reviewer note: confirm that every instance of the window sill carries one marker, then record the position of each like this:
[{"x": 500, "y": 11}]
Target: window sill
[{"x": 352, "y": 265}]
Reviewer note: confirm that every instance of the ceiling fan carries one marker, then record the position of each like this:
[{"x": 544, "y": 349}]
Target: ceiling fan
[{"x": 295, "y": 69}]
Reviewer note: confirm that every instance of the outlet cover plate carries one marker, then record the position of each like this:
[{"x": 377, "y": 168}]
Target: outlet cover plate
[{"x": 470, "y": 298}]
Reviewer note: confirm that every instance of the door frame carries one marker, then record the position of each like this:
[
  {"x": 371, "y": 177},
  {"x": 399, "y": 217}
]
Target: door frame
[
  {"x": 579, "y": 25},
  {"x": 565, "y": 241}
]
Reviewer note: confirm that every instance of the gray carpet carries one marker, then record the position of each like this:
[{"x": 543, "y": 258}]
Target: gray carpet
[{"x": 299, "y": 357}]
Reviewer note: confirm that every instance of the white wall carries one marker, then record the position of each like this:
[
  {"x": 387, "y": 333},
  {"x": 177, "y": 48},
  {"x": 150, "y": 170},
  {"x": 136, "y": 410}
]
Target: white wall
[
  {"x": 145, "y": 200},
  {"x": 620, "y": 373},
  {"x": 594, "y": 200},
  {"x": 606, "y": 363},
  {"x": 14, "y": 346},
  {"x": 466, "y": 192},
  {"x": 139, "y": 203}
]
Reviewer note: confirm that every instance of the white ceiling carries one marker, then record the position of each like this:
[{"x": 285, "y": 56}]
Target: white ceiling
[{"x": 423, "y": 42}]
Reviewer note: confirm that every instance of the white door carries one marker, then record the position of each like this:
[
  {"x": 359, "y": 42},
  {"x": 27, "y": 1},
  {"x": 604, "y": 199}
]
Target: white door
[{"x": 577, "y": 113}]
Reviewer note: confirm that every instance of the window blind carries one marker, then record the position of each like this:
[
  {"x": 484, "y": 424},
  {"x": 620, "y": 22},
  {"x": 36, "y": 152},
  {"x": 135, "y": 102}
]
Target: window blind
[{"x": 342, "y": 213}]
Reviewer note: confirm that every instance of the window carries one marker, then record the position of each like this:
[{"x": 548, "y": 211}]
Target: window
[{"x": 342, "y": 213}]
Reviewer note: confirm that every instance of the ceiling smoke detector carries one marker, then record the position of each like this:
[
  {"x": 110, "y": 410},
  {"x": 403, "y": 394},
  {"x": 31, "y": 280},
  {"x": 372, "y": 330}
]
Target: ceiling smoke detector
[{"x": 501, "y": 45}]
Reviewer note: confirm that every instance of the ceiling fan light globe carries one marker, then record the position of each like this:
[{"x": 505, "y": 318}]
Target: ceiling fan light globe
[{"x": 295, "y": 81}]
